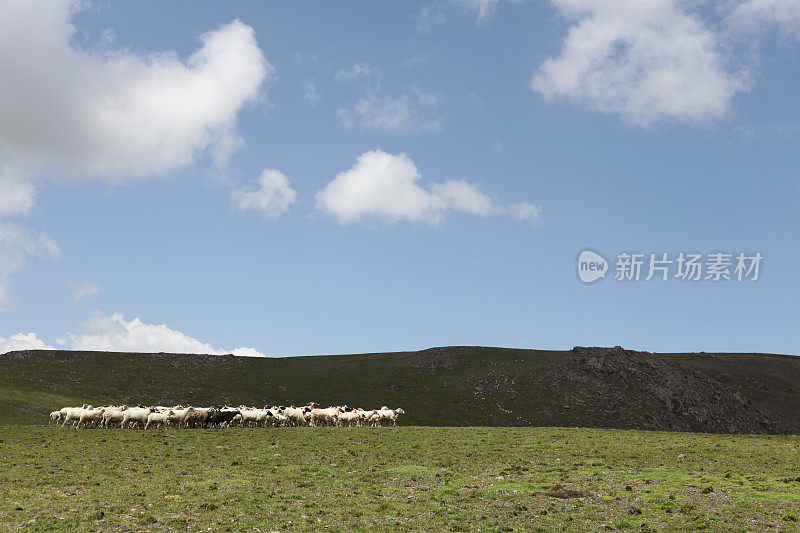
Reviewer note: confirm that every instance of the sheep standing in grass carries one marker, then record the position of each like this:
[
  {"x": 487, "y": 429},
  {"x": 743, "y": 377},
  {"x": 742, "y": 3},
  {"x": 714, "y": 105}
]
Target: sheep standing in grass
[
  {"x": 296, "y": 415},
  {"x": 179, "y": 416},
  {"x": 91, "y": 417},
  {"x": 389, "y": 415},
  {"x": 350, "y": 418},
  {"x": 159, "y": 419},
  {"x": 325, "y": 417},
  {"x": 72, "y": 414},
  {"x": 195, "y": 417},
  {"x": 113, "y": 416},
  {"x": 176, "y": 417},
  {"x": 136, "y": 416}
]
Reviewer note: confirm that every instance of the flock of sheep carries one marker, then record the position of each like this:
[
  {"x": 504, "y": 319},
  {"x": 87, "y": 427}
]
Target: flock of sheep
[{"x": 203, "y": 417}]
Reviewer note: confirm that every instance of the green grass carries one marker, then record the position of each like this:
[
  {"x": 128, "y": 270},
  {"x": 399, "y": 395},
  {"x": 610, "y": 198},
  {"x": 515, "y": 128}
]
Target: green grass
[{"x": 404, "y": 478}]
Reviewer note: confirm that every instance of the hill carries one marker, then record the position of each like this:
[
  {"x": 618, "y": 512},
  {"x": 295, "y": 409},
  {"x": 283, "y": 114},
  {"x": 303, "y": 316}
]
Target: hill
[{"x": 452, "y": 386}]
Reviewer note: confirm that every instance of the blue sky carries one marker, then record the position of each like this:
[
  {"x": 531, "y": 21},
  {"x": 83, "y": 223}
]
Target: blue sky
[{"x": 433, "y": 170}]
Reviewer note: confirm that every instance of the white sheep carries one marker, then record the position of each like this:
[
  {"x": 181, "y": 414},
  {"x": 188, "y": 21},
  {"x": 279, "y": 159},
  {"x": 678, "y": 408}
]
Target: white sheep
[
  {"x": 350, "y": 418},
  {"x": 176, "y": 417},
  {"x": 113, "y": 416},
  {"x": 135, "y": 415},
  {"x": 159, "y": 419},
  {"x": 91, "y": 417},
  {"x": 325, "y": 417}
]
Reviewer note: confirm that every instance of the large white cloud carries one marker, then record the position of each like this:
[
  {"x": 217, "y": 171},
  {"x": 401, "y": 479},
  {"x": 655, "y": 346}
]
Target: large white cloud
[
  {"x": 76, "y": 114},
  {"x": 67, "y": 113},
  {"x": 115, "y": 334},
  {"x": 650, "y": 61},
  {"x": 272, "y": 197},
  {"x": 22, "y": 341},
  {"x": 17, "y": 246},
  {"x": 386, "y": 187}
]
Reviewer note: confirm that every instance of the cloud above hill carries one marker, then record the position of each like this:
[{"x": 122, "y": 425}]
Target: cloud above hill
[
  {"x": 113, "y": 333},
  {"x": 22, "y": 341},
  {"x": 386, "y": 187}
]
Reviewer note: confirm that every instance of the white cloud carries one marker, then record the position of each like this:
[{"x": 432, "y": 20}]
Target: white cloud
[
  {"x": 380, "y": 185},
  {"x": 359, "y": 70},
  {"x": 73, "y": 114},
  {"x": 17, "y": 246},
  {"x": 432, "y": 13},
  {"x": 115, "y": 334},
  {"x": 648, "y": 61},
  {"x": 386, "y": 187},
  {"x": 84, "y": 289},
  {"x": 22, "y": 341},
  {"x": 465, "y": 197},
  {"x": 16, "y": 196},
  {"x": 273, "y": 197},
  {"x": 756, "y": 16},
  {"x": 482, "y": 8},
  {"x": 525, "y": 211},
  {"x": 414, "y": 111},
  {"x": 312, "y": 94}
]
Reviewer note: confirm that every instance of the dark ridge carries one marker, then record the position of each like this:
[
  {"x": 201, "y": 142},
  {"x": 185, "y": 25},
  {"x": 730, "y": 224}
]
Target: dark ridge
[{"x": 445, "y": 386}]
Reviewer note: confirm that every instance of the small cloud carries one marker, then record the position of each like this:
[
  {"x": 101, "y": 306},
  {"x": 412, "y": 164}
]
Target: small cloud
[
  {"x": 16, "y": 196},
  {"x": 432, "y": 13},
  {"x": 430, "y": 16},
  {"x": 272, "y": 197},
  {"x": 17, "y": 246},
  {"x": 354, "y": 72},
  {"x": 484, "y": 9},
  {"x": 465, "y": 197},
  {"x": 300, "y": 58},
  {"x": 84, "y": 289},
  {"x": 526, "y": 211},
  {"x": 414, "y": 111},
  {"x": 312, "y": 94},
  {"x": 386, "y": 187},
  {"x": 418, "y": 60}
]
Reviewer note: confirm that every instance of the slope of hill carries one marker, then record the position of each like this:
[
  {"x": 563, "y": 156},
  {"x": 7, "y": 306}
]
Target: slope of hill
[{"x": 590, "y": 387}]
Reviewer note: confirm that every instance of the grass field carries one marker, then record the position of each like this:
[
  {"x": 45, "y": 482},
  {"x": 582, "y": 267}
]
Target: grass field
[{"x": 404, "y": 478}]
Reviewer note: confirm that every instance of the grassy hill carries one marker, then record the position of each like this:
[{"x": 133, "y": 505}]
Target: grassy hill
[{"x": 589, "y": 387}]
